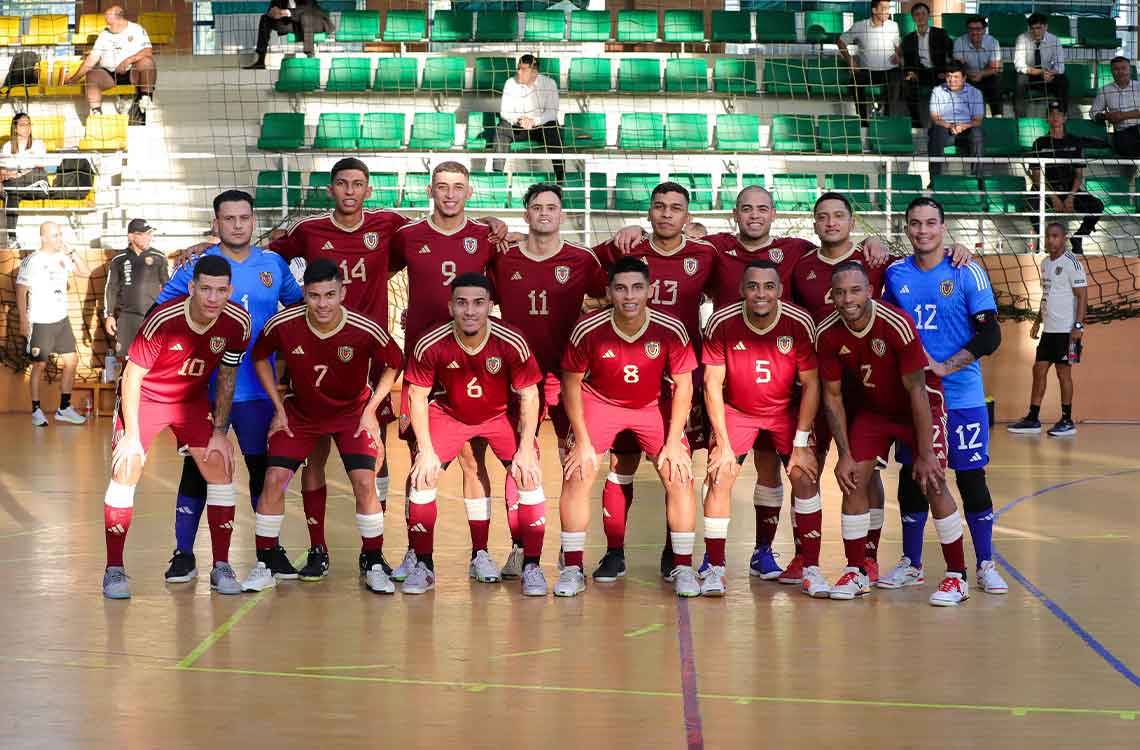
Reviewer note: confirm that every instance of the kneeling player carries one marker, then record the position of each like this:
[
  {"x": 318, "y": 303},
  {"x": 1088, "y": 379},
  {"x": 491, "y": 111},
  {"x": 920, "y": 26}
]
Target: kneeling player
[
  {"x": 875, "y": 348},
  {"x": 341, "y": 367},
  {"x": 477, "y": 362},
  {"x": 754, "y": 353},
  {"x": 165, "y": 384},
  {"x": 611, "y": 381}
]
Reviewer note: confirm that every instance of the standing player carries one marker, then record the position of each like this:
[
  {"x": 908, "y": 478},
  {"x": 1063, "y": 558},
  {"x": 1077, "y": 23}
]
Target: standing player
[
  {"x": 956, "y": 316},
  {"x": 478, "y": 363},
  {"x": 755, "y": 353},
  {"x": 341, "y": 366},
  {"x": 166, "y": 384},
  {"x": 611, "y": 382},
  {"x": 874, "y": 348}
]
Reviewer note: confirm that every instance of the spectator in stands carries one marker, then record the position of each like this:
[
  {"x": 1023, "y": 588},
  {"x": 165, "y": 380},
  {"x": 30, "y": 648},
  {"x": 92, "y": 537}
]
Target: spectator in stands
[
  {"x": 926, "y": 53},
  {"x": 1040, "y": 62},
  {"x": 303, "y": 18},
  {"x": 529, "y": 112},
  {"x": 124, "y": 57},
  {"x": 134, "y": 279},
  {"x": 981, "y": 54},
  {"x": 1118, "y": 102},
  {"x": 22, "y": 172},
  {"x": 1064, "y": 183},
  {"x": 956, "y": 114},
  {"x": 879, "y": 58}
]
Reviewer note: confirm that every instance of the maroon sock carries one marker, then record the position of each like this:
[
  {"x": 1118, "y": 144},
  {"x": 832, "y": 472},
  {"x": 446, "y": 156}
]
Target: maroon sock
[
  {"x": 314, "y": 503},
  {"x": 421, "y": 526},
  {"x": 614, "y": 512},
  {"x": 714, "y": 548},
  {"x": 511, "y": 496},
  {"x": 767, "y": 520},
  {"x": 221, "y": 520},
  {"x": 954, "y": 554},
  {"x": 808, "y": 526},
  {"x": 265, "y": 542},
  {"x": 873, "y": 544},
  {"x": 573, "y": 558},
  {"x": 371, "y": 543},
  {"x": 856, "y": 551},
  {"x": 116, "y": 523}
]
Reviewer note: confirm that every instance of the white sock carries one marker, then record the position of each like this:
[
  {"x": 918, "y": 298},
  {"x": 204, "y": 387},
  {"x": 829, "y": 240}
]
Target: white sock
[
  {"x": 370, "y": 525},
  {"x": 382, "y": 488},
  {"x": 807, "y": 505},
  {"x": 855, "y": 526},
  {"x": 715, "y": 528},
  {"x": 119, "y": 495},
  {"x": 682, "y": 541},
  {"x": 478, "y": 508},
  {"x": 221, "y": 494},
  {"x": 266, "y": 525},
  {"x": 876, "y": 518},
  {"x": 768, "y": 497},
  {"x": 619, "y": 478},
  {"x": 422, "y": 497},
  {"x": 949, "y": 528}
]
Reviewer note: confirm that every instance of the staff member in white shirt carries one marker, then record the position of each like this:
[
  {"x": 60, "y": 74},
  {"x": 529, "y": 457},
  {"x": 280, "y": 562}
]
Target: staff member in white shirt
[
  {"x": 981, "y": 54},
  {"x": 1040, "y": 62},
  {"x": 880, "y": 55},
  {"x": 41, "y": 298},
  {"x": 124, "y": 57},
  {"x": 22, "y": 172},
  {"x": 529, "y": 112},
  {"x": 1118, "y": 102}
]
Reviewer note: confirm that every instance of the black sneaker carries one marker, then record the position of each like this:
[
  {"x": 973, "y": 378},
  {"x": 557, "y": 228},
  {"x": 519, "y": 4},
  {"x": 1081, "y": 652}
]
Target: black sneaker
[
  {"x": 183, "y": 568},
  {"x": 317, "y": 566},
  {"x": 278, "y": 563},
  {"x": 1026, "y": 426},
  {"x": 1063, "y": 428},
  {"x": 366, "y": 563},
  {"x": 667, "y": 563},
  {"x": 612, "y": 566}
]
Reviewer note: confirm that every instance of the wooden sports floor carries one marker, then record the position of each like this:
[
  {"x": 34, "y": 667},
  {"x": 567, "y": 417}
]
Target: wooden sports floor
[{"x": 1053, "y": 664}]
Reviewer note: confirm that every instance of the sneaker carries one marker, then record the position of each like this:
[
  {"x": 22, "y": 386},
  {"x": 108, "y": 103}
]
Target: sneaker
[
  {"x": 872, "y": 568},
  {"x": 951, "y": 592},
  {"x": 483, "y": 569},
  {"x": 814, "y": 584},
  {"x": 850, "y": 585},
  {"x": 115, "y": 583},
  {"x": 533, "y": 581},
  {"x": 38, "y": 418},
  {"x": 666, "y": 564},
  {"x": 685, "y": 581},
  {"x": 763, "y": 564},
  {"x": 571, "y": 582},
  {"x": 902, "y": 575},
  {"x": 794, "y": 573},
  {"x": 703, "y": 569},
  {"x": 316, "y": 566},
  {"x": 990, "y": 580},
  {"x": 259, "y": 579},
  {"x": 183, "y": 568},
  {"x": 406, "y": 566},
  {"x": 1026, "y": 426},
  {"x": 712, "y": 584},
  {"x": 611, "y": 568},
  {"x": 258, "y": 64},
  {"x": 420, "y": 581},
  {"x": 378, "y": 581},
  {"x": 145, "y": 102},
  {"x": 277, "y": 560},
  {"x": 1063, "y": 428},
  {"x": 71, "y": 416},
  {"x": 514, "y": 565},
  {"x": 223, "y": 579},
  {"x": 366, "y": 561}
]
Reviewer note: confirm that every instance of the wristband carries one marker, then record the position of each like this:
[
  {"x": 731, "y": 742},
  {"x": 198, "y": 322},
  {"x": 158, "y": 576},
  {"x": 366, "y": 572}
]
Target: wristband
[{"x": 801, "y": 439}]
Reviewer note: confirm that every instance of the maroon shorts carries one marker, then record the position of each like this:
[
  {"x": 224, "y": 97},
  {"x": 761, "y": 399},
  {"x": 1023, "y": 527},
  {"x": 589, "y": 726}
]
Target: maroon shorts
[
  {"x": 448, "y": 435},
  {"x": 640, "y": 429},
  {"x": 190, "y": 422},
  {"x": 356, "y": 451},
  {"x": 746, "y": 432},
  {"x": 871, "y": 435}
]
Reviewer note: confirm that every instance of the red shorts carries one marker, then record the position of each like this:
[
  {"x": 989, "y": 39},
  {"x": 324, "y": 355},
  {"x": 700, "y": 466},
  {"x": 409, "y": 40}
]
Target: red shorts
[
  {"x": 746, "y": 432},
  {"x": 190, "y": 422},
  {"x": 871, "y": 435},
  {"x": 356, "y": 451},
  {"x": 550, "y": 405},
  {"x": 640, "y": 429},
  {"x": 448, "y": 435}
]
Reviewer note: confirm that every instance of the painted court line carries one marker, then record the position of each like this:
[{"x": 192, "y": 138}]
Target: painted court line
[
  {"x": 645, "y": 631},
  {"x": 219, "y": 633},
  {"x": 335, "y": 668},
  {"x": 694, "y": 736}
]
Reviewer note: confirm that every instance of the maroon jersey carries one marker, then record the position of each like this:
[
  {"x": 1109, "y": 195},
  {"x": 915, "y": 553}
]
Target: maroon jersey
[
  {"x": 811, "y": 280},
  {"x": 433, "y": 259},
  {"x": 361, "y": 253},
  {"x": 733, "y": 257},
  {"x": 761, "y": 366},
  {"x": 477, "y": 383},
  {"x": 180, "y": 356},
  {"x": 627, "y": 372},
  {"x": 543, "y": 298},
  {"x": 873, "y": 360},
  {"x": 330, "y": 374}
]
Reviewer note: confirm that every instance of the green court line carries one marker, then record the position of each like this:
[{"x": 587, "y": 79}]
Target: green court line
[
  {"x": 343, "y": 666},
  {"x": 220, "y": 632},
  {"x": 525, "y": 653},
  {"x": 645, "y": 631}
]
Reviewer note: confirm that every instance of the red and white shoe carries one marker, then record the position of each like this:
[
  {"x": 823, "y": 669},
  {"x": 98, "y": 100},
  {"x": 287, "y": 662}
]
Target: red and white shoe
[
  {"x": 951, "y": 592},
  {"x": 794, "y": 573},
  {"x": 902, "y": 575},
  {"x": 852, "y": 584},
  {"x": 814, "y": 584},
  {"x": 872, "y": 568}
]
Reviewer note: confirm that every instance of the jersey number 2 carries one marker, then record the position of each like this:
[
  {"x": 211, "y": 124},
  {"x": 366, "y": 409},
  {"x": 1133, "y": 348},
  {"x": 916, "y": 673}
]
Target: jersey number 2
[{"x": 924, "y": 317}]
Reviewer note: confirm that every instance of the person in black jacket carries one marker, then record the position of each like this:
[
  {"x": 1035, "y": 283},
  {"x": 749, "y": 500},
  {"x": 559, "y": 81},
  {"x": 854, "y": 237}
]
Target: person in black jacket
[
  {"x": 134, "y": 279},
  {"x": 926, "y": 52},
  {"x": 301, "y": 17}
]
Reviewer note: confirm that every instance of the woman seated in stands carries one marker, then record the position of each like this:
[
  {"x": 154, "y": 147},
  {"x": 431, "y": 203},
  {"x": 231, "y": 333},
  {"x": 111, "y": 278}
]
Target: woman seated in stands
[{"x": 22, "y": 171}]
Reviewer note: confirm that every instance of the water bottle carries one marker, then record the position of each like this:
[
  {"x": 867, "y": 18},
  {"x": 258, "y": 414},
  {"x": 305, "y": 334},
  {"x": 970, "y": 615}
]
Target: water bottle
[
  {"x": 87, "y": 408},
  {"x": 1075, "y": 349}
]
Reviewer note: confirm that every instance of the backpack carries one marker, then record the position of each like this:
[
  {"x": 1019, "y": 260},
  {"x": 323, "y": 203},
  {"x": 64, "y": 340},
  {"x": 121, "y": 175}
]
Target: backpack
[{"x": 25, "y": 70}]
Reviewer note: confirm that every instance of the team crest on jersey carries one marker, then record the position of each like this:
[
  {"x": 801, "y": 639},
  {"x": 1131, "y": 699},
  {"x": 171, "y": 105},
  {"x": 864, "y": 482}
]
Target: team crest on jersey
[
  {"x": 879, "y": 347},
  {"x": 494, "y": 364},
  {"x": 371, "y": 240},
  {"x": 562, "y": 273},
  {"x": 345, "y": 354},
  {"x": 470, "y": 244},
  {"x": 946, "y": 287},
  {"x": 652, "y": 349},
  {"x": 776, "y": 255},
  {"x": 267, "y": 279},
  {"x": 1057, "y": 271},
  {"x": 784, "y": 344},
  {"x": 217, "y": 344},
  {"x": 690, "y": 266},
  {"x": 149, "y": 261}
]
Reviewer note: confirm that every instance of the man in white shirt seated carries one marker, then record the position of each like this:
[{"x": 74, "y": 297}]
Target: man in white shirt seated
[
  {"x": 1040, "y": 62},
  {"x": 1118, "y": 102},
  {"x": 981, "y": 54},
  {"x": 122, "y": 56},
  {"x": 880, "y": 55},
  {"x": 529, "y": 112}
]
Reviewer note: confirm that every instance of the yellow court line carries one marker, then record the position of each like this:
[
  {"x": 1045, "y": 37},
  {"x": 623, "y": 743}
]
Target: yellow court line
[
  {"x": 188, "y": 661},
  {"x": 645, "y": 631},
  {"x": 342, "y": 667},
  {"x": 525, "y": 653}
]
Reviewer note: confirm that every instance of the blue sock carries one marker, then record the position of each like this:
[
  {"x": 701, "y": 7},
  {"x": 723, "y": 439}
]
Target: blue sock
[
  {"x": 982, "y": 532},
  {"x": 186, "y": 518},
  {"x": 913, "y": 529}
]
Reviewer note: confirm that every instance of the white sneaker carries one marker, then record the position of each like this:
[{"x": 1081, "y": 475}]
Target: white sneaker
[
  {"x": 482, "y": 568},
  {"x": 259, "y": 579},
  {"x": 850, "y": 585},
  {"x": 814, "y": 584},
  {"x": 38, "y": 418},
  {"x": 70, "y": 415},
  {"x": 378, "y": 581},
  {"x": 145, "y": 102},
  {"x": 685, "y": 582},
  {"x": 406, "y": 566},
  {"x": 533, "y": 581},
  {"x": 713, "y": 582},
  {"x": 420, "y": 581},
  {"x": 571, "y": 582},
  {"x": 951, "y": 592},
  {"x": 514, "y": 565},
  {"x": 902, "y": 575},
  {"x": 990, "y": 580}
]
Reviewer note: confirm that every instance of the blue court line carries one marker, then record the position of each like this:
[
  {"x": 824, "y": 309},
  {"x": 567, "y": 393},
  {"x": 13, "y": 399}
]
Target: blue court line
[
  {"x": 1054, "y": 487},
  {"x": 694, "y": 735}
]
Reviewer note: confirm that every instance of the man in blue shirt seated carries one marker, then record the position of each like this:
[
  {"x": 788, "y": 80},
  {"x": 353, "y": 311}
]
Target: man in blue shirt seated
[{"x": 956, "y": 113}]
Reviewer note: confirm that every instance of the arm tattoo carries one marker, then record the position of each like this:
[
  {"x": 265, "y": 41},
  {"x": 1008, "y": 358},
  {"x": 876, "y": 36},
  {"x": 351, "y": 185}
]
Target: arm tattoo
[
  {"x": 837, "y": 424},
  {"x": 227, "y": 378},
  {"x": 959, "y": 360}
]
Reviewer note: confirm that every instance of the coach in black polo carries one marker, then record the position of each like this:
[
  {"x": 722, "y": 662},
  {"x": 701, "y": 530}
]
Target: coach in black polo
[
  {"x": 134, "y": 279},
  {"x": 1064, "y": 183}
]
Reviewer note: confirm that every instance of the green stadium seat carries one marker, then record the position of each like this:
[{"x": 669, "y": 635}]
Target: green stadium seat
[
  {"x": 552, "y": 68},
  {"x": 317, "y": 196},
  {"x": 1060, "y": 27},
  {"x": 319, "y": 37},
  {"x": 795, "y": 191},
  {"x": 890, "y": 135},
  {"x": 452, "y": 26},
  {"x": 958, "y": 193},
  {"x": 783, "y": 76},
  {"x": 599, "y": 195},
  {"x": 544, "y": 26},
  {"x": 637, "y": 26},
  {"x": 737, "y": 132},
  {"x": 1081, "y": 82},
  {"x": 839, "y": 134},
  {"x": 686, "y": 132},
  {"x": 776, "y": 27},
  {"x": 733, "y": 26},
  {"x": 822, "y": 27},
  {"x": 405, "y": 26},
  {"x": 684, "y": 26},
  {"x": 590, "y": 74},
  {"x": 1029, "y": 129},
  {"x": 381, "y": 131},
  {"x": 904, "y": 189},
  {"x": 488, "y": 190},
  {"x": 432, "y": 130},
  {"x": 271, "y": 190},
  {"x": 481, "y": 130},
  {"x": 337, "y": 130},
  {"x": 641, "y": 131},
  {"x": 905, "y": 22},
  {"x": 793, "y": 133},
  {"x": 414, "y": 194},
  {"x": 350, "y": 74},
  {"x": 584, "y": 131},
  {"x": 1092, "y": 131},
  {"x": 731, "y": 184},
  {"x": 385, "y": 190},
  {"x": 573, "y": 190},
  {"x": 639, "y": 74},
  {"x": 699, "y": 187},
  {"x": 1001, "y": 136},
  {"x": 1113, "y": 191},
  {"x": 857, "y": 188},
  {"x": 1007, "y": 27},
  {"x": 497, "y": 26},
  {"x": 633, "y": 189},
  {"x": 395, "y": 74},
  {"x": 1004, "y": 193},
  {"x": 299, "y": 74},
  {"x": 358, "y": 26},
  {"x": 827, "y": 76},
  {"x": 590, "y": 26},
  {"x": 444, "y": 74},
  {"x": 687, "y": 75},
  {"x": 282, "y": 131},
  {"x": 954, "y": 24},
  {"x": 491, "y": 73},
  {"x": 1097, "y": 33},
  {"x": 733, "y": 75},
  {"x": 521, "y": 181}
]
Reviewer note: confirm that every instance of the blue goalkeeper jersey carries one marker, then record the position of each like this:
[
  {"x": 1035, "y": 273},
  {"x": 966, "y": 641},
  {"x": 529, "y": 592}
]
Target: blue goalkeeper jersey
[
  {"x": 943, "y": 302},
  {"x": 261, "y": 283}
]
